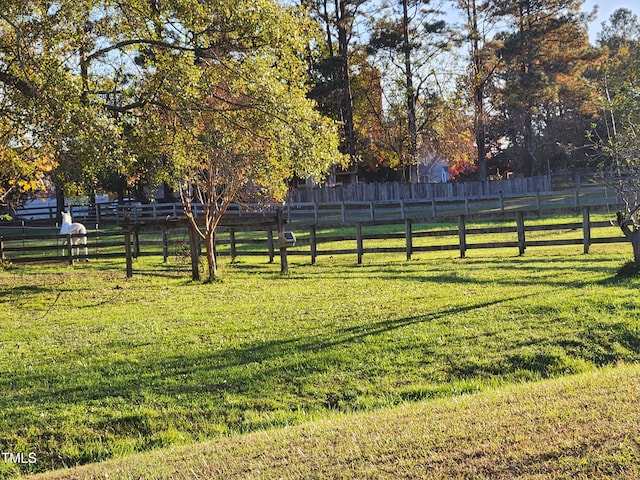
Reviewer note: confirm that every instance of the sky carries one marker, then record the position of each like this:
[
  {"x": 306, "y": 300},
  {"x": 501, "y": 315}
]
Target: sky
[{"x": 605, "y": 9}]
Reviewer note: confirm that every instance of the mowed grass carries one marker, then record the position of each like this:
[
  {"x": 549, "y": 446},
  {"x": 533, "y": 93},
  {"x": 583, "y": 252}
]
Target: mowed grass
[
  {"x": 96, "y": 366},
  {"x": 583, "y": 426}
]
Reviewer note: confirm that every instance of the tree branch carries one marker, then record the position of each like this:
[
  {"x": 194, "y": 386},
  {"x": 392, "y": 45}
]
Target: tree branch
[
  {"x": 24, "y": 87},
  {"x": 136, "y": 41}
]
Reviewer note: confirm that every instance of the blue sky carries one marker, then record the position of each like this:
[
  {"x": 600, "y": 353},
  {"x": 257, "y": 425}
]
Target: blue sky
[{"x": 605, "y": 9}]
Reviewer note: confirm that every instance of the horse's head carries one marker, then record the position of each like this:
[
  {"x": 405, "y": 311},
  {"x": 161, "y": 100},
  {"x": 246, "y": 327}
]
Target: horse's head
[{"x": 66, "y": 217}]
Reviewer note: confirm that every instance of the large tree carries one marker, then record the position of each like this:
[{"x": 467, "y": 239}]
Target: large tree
[
  {"x": 479, "y": 28},
  {"x": 130, "y": 91},
  {"x": 544, "y": 55},
  {"x": 332, "y": 71},
  {"x": 406, "y": 37},
  {"x": 241, "y": 123}
]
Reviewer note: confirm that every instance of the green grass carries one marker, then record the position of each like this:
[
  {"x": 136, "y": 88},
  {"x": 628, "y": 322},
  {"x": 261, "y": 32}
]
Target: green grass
[
  {"x": 97, "y": 366},
  {"x": 583, "y": 426}
]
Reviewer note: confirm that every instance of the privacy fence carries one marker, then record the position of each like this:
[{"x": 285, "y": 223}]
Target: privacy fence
[
  {"x": 393, "y": 191},
  {"x": 518, "y": 230}
]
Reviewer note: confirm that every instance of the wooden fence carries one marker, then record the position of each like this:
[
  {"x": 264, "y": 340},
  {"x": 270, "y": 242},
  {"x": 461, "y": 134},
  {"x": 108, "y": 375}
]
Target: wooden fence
[
  {"x": 349, "y": 212},
  {"x": 509, "y": 230},
  {"x": 394, "y": 191}
]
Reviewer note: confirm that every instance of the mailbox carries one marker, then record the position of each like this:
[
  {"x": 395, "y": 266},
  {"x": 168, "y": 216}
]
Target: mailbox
[{"x": 286, "y": 239}]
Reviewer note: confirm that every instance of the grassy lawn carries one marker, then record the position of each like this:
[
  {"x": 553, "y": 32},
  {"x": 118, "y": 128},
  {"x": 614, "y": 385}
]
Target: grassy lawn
[
  {"x": 583, "y": 426},
  {"x": 96, "y": 366}
]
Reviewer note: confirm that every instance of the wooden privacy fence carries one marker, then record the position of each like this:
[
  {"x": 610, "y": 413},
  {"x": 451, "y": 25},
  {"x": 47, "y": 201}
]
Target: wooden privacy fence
[
  {"x": 393, "y": 191},
  {"x": 510, "y": 230}
]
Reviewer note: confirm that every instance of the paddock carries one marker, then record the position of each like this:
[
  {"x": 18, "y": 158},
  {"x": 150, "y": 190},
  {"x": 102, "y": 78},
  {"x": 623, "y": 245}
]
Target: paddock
[{"x": 509, "y": 233}]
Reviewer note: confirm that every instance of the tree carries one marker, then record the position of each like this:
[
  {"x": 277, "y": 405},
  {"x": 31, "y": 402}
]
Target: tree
[
  {"x": 242, "y": 125},
  {"x": 544, "y": 55},
  {"x": 332, "y": 72},
  {"x": 23, "y": 169},
  {"x": 483, "y": 62},
  {"x": 617, "y": 132},
  {"x": 34, "y": 88},
  {"x": 407, "y": 35}
]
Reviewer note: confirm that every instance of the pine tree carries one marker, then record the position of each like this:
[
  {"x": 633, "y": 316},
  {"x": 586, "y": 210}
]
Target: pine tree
[{"x": 544, "y": 55}]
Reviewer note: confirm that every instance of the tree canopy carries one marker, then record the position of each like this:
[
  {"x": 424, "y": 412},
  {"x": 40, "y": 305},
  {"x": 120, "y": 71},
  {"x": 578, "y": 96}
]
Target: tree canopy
[{"x": 126, "y": 95}]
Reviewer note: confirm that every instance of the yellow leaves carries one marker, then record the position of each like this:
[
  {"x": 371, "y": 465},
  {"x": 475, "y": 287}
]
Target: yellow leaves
[{"x": 23, "y": 173}]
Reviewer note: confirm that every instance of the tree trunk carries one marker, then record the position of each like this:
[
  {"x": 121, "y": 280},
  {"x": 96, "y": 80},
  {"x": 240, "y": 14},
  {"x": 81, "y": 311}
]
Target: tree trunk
[
  {"x": 345, "y": 80},
  {"x": 632, "y": 232},
  {"x": 410, "y": 97},
  {"x": 210, "y": 245},
  {"x": 635, "y": 242},
  {"x": 59, "y": 200},
  {"x": 478, "y": 83}
]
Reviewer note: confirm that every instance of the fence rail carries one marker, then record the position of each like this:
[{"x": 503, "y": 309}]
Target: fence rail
[{"x": 510, "y": 230}]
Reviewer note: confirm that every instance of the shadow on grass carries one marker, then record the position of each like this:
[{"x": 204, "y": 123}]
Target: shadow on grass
[
  {"x": 234, "y": 370},
  {"x": 567, "y": 271},
  {"x": 11, "y": 293},
  {"x": 151, "y": 389}
]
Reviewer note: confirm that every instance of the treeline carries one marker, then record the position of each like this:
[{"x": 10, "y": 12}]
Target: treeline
[
  {"x": 491, "y": 86},
  {"x": 118, "y": 96}
]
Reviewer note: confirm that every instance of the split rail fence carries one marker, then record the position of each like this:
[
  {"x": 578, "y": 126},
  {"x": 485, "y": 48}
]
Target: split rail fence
[{"x": 517, "y": 230}]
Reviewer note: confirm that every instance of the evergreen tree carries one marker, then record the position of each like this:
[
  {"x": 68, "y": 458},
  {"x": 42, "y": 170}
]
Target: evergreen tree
[
  {"x": 540, "y": 84},
  {"x": 407, "y": 36}
]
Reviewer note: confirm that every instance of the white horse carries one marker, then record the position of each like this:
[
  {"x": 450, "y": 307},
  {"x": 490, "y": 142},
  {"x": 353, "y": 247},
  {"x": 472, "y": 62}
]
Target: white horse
[{"x": 70, "y": 228}]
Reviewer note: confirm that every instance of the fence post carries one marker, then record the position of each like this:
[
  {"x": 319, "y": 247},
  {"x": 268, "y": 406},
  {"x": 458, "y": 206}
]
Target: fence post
[
  {"x": 462, "y": 235},
  {"x": 2, "y": 249},
  {"x": 522, "y": 241},
  {"x": 165, "y": 245},
  {"x": 284, "y": 263},
  {"x": 127, "y": 251},
  {"x": 409, "y": 237},
  {"x": 270, "y": 244},
  {"x": 586, "y": 229},
  {"x": 359, "y": 242},
  {"x": 314, "y": 244},
  {"x": 232, "y": 241},
  {"x": 194, "y": 246},
  {"x": 136, "y": 244},
  {"x": 69, "y": 250}
]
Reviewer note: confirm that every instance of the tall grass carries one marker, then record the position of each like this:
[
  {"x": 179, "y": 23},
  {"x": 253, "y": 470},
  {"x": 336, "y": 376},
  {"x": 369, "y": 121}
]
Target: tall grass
[{"x": 97, "y": 366}]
